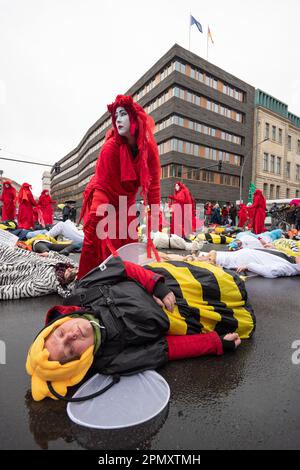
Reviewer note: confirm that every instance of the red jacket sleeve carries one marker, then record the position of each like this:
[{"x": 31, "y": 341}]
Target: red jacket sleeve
[
  {"x": 183, "y": 347},
  {"x": 155, "y": 170},
  {"x": 31, "y": 200},
  {"x": 99, "y": 198},
  {"x": 146, "y": 278}
]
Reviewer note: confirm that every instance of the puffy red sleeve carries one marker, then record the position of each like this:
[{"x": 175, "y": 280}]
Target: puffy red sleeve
[
  {"x": 184, "y": 347},
  {"x": 147, "y": 279},
  {"x": 31, "y": 200},
  {"x": 155, "y": 170},
  {"x": 99, "y": 198},
  {"x": 107, "y": 167}
]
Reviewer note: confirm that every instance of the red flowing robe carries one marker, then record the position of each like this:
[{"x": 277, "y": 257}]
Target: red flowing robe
[
  {"x": 9, "y": 199},
  {"x": 117, "y": 174},
  {"x": 243, "y": 215},
  {"x": 259, "y": 212},
  {"x": 183, "y": 221},
  {"x": 26, "y": 205},
  {"x": 46, "y": 206}
]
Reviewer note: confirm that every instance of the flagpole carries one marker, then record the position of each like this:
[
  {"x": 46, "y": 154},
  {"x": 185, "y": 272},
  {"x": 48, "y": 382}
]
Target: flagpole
[
  {"x": 190, "y": 31},
  {"x": 207, "y": 47}
]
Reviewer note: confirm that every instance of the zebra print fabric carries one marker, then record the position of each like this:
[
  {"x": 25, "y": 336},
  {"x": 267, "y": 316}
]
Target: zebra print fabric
[{"x": 26, "y": 274}]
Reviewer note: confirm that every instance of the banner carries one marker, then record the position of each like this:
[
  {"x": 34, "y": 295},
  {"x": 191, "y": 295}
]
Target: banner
[{"x": 252, "y": 190}]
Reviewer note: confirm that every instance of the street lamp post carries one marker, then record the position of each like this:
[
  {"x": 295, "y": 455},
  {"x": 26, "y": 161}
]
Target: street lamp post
[{"x": 244, "y": 162}]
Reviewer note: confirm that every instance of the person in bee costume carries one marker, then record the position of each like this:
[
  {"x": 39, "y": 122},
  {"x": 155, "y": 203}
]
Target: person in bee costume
[{"x": 123, "y": 318}]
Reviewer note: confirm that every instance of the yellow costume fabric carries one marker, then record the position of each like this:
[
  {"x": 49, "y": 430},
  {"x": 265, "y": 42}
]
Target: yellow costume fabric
[
  {"x": 213, "y": 238},
  {"x": 46, "y": 238},
  {"x": 290, "y": 247},
  {"x": 207, "y": 299}
]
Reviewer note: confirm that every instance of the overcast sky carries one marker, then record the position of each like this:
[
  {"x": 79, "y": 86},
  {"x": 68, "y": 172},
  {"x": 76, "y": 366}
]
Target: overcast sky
[{"x": 62, "y": 61}]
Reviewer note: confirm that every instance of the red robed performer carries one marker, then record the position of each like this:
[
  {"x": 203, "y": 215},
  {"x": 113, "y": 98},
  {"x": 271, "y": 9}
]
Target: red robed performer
[
  {"x": 9, "y": 199},
  {"x": 128, "y": 160},
  {"x": 243, "y": 215},
  {"x": 26, "y": 205},
  {"x": 183, "y": 207},
  {"x": 259, "y": 212},
  {"x": 46, "y": 205}
]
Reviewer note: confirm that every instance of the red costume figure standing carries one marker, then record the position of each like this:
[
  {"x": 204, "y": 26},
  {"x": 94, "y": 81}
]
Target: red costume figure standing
[
  {"x": 259, "y": 212},
  {"x": 9, "y": 199},
  {"x": 26, "y": 205},
  {"x": 46, "y": 206},
  {"x": 128, "y": 160},
  {"x": 183, "y": 207},
  {"x": 243, "y": 215}
]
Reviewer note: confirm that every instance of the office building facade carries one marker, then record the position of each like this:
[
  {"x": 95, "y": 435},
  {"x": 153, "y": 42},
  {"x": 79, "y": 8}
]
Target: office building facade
[
  {"x": 203, "y": 115},
  {"x": 276, "y": 159}
]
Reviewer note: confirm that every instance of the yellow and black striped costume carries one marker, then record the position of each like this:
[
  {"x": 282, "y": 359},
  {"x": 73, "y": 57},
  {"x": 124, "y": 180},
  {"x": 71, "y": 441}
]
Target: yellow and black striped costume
[
  {"x": 207, "y": 299},
  {"x": 213, "y": 238}
]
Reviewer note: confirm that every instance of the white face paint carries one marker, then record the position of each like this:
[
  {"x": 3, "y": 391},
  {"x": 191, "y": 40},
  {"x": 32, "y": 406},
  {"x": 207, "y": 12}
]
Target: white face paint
[
  {"x": 122, "y": 122},
  {"x": 177, "y": 187}
]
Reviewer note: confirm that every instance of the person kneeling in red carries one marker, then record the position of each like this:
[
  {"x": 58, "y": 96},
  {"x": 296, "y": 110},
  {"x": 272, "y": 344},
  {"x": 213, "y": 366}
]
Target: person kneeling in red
[
  {"x": 128, "y": 160},
  {"x": 121, "y": 319}
]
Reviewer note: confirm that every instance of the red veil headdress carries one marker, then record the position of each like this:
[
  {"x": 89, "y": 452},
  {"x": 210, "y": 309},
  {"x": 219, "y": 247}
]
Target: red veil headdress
[
  {"x": 23, "y": 193},
  {"x": 141, "y": 125}
]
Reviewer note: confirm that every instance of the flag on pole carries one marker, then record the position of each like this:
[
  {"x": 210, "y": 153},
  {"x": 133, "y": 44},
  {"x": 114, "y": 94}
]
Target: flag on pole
[
  {"x": 209, "y": 35},
  {"x": 252, "y": 190},
  {"x": 194, "y": 21}
]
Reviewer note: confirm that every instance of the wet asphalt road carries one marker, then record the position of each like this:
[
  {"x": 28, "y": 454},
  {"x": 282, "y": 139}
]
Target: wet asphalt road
[{"x": 246, "y": 400}]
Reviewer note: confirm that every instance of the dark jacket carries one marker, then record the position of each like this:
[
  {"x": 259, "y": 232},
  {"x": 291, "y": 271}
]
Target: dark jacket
[
  {"x": 131, "y": 341},
  {"x": 134, "y": 333}
]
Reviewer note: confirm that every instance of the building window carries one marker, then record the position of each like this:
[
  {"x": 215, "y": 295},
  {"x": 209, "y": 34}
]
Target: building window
[
  {"x": 288, "y": 170},
  {"x": 298, "y": 147},
  {"x": 267, "y": 131},
  {"x": 280, "y": 136},
  {"x": 277, "y": 192},
  {"x": 289, "y": 142},
  {"x": 288, "y": 193},
  {"x": 298, "y": 172},
  {"x": 266, "y": 190},
  {"x": 274, "y": 133},
  {"x": 278, "y": 166},
  {"x": 164, "y": 172},
  {"x": 271, "y": 191},
  {"x": 297, "y": 194},
  {"x": 272, "y": 164},
  {"x": 266, "y": 162}
]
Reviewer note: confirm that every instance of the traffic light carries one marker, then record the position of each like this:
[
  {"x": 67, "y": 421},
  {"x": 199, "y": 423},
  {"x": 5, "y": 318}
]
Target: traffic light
[
  {"x": 220, "y": 165},
  {"x": 56, "y": 168}
]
